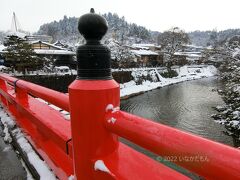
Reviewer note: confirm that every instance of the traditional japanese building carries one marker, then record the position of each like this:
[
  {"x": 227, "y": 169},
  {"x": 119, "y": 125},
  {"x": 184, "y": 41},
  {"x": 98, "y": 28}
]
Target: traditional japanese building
[
  {"x": 148, "y": 57},
  {"x": 62, "y": 56},
  {"x": 147, "y": 54}
]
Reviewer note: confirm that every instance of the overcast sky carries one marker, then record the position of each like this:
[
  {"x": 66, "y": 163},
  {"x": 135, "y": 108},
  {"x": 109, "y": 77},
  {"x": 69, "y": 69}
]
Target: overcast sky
[{"x": 156, "y": 15}]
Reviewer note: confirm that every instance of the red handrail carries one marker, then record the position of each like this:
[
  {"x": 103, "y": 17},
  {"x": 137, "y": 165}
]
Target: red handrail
[
  {"x": 47, "y": 129},
  {"x": 56, "y": 98},
  {"x": 8, "y": 78},
  {"x": 207, "y": 158},
  {"x": 95, "y": 133}
]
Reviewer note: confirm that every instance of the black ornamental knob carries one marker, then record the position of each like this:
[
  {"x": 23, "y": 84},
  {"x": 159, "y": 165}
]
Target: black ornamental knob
[{"x": 93, "y": 57}]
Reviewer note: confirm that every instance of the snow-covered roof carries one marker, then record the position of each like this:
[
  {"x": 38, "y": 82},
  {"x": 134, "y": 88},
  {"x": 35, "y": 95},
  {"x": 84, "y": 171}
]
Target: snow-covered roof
[
  {"x": 2, "y": 47},
  {"x": 52, "y": 45},
  {"x": 16, "y": 33},
  {"x": 57, "y": 42},
  {"x": 3, "y": 67},
  {"x": 144, "y": 52},
  {"x": 193, "y": 46},
  {"x": 61, "y": 67},
  {"x": 194, "y": 55},
  {"x": 144, "y": 46},
  {"x": 59, "y": 51},
  {"x": 54, "y": 52},
  {"x": 188, "y": 54},
  {"x": 209, "y": 48}
]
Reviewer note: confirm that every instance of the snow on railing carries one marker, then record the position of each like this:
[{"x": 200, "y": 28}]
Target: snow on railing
[
  {"x": 16, "y": 96},
  {"x": 87, "y": 146},
  {"x": 47, "y": 128}
]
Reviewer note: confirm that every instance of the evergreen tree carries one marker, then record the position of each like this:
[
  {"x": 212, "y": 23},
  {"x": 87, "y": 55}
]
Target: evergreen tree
[
  {"x": 213, "y": 39},
  {"x": 20, "y": 55}
]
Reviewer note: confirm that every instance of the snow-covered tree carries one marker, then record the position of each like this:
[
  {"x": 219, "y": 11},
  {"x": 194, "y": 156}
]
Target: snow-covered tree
[
  {"x": 2, "y": 36},
  {"x": 213, "y": 39},
  {"x": 230, "y": 114},
  {"x": 66, "y": 30},
  {"x": 20, "y": 55},
  {"x": 171, "y": 41},
  {"x": 121, "y": 56}
]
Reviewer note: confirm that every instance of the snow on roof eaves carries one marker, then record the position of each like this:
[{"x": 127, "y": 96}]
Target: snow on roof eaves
[
  {"x": 144, "y": 52},
  {"x": 16, "y": 33},
  {"x": 193, "y": 46},
  {"x": 188, "y": 54},
  {"x": 52, "y": 45},
  {"x": 193, "y": 55},
  {"x": 61, "y": 67},
  {"x": 54, "y": 52},
  {"x": 143, "y": 45}
]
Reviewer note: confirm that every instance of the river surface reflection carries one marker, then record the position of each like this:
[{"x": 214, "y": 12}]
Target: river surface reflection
[{"x": 186, "y": 106}]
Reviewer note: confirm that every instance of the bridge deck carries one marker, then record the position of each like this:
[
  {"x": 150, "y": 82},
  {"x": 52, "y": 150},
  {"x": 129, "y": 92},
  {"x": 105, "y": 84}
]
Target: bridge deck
[{"x": 10, "y": 165}]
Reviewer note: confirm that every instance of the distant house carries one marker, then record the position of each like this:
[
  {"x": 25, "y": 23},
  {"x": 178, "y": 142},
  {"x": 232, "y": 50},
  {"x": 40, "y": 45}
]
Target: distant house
[
  {"x": 42, "y": 47},
  {"x": 59, "y": 44},
  {"x": 62, "y": 56},
  {"x": 147, "y": 54},
  {"x": 151, "y": 47},
  {"x": 192, "y": 48},
  {"x": 189, "y": 54},
  {"x": 182, "y": 58},
  {"x": 148, "y": 57},
  {"x": 65, "y": 46},
  {"x": 43, "y": 38},
  {"x": 179, "y": 59}
]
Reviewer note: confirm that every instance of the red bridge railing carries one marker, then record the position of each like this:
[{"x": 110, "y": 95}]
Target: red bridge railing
[{"x": 87, "y": 145}]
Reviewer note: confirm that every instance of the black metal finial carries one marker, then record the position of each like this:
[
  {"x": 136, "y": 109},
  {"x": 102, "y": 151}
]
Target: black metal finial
[
  {"x": 92, "y": 26},
  {"x": 92, "y": 10},
  {"x": 93, "y": 58}
]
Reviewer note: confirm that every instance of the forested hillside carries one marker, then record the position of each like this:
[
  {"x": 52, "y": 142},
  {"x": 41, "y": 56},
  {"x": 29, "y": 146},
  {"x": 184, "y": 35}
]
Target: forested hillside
[
  {"x": 124, "y": 32},
  {"x": 204, "y": 38},
  {"x": 119, "y": 28}
]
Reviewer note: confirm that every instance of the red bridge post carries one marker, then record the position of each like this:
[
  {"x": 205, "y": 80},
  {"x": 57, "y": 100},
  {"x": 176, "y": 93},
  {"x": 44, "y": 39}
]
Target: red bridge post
[
  {"x": 97, "y": 153},
  {"x": 89, "y": 95}
]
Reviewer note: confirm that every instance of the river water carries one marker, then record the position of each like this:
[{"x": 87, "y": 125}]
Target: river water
[{"x": 186, "y": 106}]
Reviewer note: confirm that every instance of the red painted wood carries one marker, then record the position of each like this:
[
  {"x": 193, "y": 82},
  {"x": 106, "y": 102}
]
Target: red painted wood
[
  {"x": 88, "y": 102},
  {"x": 207, "y": 158},
  {"x": 126, "y": 163},
  {"x": 73, "y": 147}
]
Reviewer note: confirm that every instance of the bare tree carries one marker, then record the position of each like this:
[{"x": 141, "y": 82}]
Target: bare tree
[{"x": 172, "y": 41}]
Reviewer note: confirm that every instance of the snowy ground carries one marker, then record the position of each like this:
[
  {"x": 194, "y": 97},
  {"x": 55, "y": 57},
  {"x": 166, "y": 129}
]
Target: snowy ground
[
  {"x": 41, "y": 167},
  {"x": 185, "y": 73}
]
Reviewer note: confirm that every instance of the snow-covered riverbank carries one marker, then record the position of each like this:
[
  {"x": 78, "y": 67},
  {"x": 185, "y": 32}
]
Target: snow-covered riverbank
[
  {"x": 229, "y": 113},
  {"x": 185, "y": 73}
]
